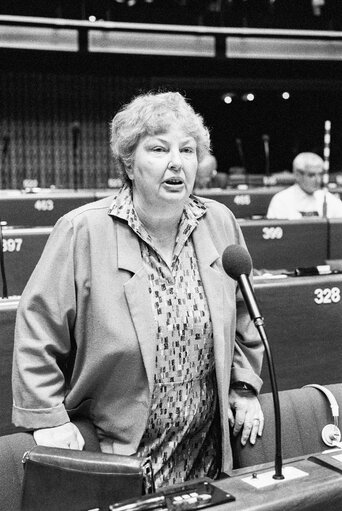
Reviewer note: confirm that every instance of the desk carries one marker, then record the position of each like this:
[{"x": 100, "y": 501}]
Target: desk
[
  {"x": 318, "y": 488},
  {"x": 22, "y": 250},
  {"x": 246, "y": 203},
  {"x": 286, "y": 244},
  {"x": 335, "y": 238},
  {"x": 253, "y": 201},
  {"x": 8, "y": 310},
  {"x": 42, "y": 208},
  {"x": 243, "y": 203},
  {"x": 303, "y": 323},
  {"x": 321, "y": 489}
]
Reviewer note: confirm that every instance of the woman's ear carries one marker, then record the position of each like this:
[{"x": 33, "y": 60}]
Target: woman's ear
[{"x": 130, "y": 173}]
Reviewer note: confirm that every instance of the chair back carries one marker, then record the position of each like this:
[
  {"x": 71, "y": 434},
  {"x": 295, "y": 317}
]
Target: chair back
[{"x": 304, "y": 413}]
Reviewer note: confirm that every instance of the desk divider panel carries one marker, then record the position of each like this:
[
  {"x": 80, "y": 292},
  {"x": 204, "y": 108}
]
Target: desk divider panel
[
  {"x": 244, "y": 203},
  {"x": 335, "y": 238},
  {"x": 45, "y": 206},
  {"x": 40, "y": 209},
  {"x": 22, "y": 250},
  {"x": 286, "y": 244},
  {"x": 8, "y": 310},
  {"x": 303, "y": 323}
]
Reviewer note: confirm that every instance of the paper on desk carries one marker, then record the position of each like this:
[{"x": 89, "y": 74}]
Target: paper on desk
[{"x": 266, "y": 478}]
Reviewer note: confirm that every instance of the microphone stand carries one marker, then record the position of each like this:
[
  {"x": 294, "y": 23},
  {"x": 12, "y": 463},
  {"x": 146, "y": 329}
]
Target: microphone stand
[
  {"x": 325, "y": 191},
  {"x": 265, "y": 139},
  {"x": 278, "y": 464},
  {"x": 75, "y": 154},
  {"x": 241, "y": 153},
  {"x": 326, "y": 165},
  {"x": 6, "y": 140},
  {"x": 2, "y": 266},
  {"x": 258, "y": 320}
]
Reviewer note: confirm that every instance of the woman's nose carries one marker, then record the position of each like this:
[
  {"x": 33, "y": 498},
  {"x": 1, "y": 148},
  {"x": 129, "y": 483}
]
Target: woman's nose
[{"x": 175, "y": 160}]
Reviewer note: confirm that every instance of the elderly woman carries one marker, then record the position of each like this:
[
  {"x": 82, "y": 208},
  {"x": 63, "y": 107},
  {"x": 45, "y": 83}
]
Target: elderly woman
[{"x": 129, "y": 317}]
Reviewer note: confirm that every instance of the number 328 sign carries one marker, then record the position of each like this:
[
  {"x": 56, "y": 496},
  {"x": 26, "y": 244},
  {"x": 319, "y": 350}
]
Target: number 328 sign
[{"x": 327, "y": 295}]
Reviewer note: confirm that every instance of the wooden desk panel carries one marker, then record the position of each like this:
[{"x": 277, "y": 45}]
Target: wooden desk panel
[
  {"x": 243, "y": 203},
  {"x": 22, "y": 250},
  {"x": 319, "y": 490},
  {"x": 40, "y": 209},
  {"x": 303, "y": 323},
  {"x": 335, "y": 238},
  {"x": 8, "y": 310},
  {"x": 46, "y": 206},
  {"x": 286, "y": 244},
  {"x": 253, "y": 201}
]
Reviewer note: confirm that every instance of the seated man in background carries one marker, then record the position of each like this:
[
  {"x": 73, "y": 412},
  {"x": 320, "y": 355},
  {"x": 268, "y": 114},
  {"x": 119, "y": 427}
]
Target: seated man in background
[
  {"x": 207, "y": 169},
  {"x": 306, "y": 197}
]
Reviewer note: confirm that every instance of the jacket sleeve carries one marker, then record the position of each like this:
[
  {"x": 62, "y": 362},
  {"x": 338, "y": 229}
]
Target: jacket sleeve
[
  {"x": 43, "y": 335},
  {"x": 248, "y": 348}
]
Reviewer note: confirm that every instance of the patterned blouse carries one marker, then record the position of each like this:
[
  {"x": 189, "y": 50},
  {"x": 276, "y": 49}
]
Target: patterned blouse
[{"x": 181, "y": 437}]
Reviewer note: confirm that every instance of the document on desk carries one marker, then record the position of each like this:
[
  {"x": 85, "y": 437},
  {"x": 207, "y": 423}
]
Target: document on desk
[{"x": 261, "y": 480}]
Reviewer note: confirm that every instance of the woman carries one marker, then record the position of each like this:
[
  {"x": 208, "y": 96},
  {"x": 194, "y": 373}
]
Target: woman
[{"x": 129, "y": 318}]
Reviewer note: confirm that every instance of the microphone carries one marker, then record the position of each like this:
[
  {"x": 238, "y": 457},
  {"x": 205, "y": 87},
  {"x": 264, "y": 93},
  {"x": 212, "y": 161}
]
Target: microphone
[
  {"x": 2, "y": 265},
  {"x": 237, "y": 263},
  {"x": 266, "y": 141},
  {"x": 6, "y": 141},
  {"x": 76, "y": 131},
  {"x": 241, "y": 153}
]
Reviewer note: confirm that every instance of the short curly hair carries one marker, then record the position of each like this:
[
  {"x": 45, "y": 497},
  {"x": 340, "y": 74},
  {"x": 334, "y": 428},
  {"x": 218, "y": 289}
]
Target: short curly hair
[{"x": 149, "y": 114}]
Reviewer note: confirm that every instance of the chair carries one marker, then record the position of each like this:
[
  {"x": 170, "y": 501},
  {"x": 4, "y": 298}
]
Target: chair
[
  {"x": 12, "y": 449},
  {"x": 304, "y": 413}
]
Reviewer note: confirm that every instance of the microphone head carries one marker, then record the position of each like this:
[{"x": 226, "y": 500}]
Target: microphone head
[
  {"x": 266, "y": 138},
  {"x": 75, "y": 127},
  {"x": 236, "y": 261},
  {"x": 6, "y": 140}
]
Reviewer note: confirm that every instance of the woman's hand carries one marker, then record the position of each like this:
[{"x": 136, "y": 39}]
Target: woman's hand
[
  {"x": 245, "y": 413},
  {"x": 67, "y": 436}
]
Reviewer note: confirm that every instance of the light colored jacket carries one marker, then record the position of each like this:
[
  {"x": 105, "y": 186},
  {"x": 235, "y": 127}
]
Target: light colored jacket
[{"x": 87, "y": 302}]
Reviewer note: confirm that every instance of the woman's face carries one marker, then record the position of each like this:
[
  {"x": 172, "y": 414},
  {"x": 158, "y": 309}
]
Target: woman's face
[{"x": 164, "y": 168}]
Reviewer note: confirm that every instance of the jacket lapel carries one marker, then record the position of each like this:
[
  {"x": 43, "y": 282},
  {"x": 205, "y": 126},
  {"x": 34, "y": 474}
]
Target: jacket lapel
[
  {"x": 212, "y": 278},
  {"x": 138, "y": 296}
]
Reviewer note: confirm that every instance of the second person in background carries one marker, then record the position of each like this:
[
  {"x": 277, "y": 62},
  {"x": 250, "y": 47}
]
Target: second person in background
[{"x": 306, "y": 198}]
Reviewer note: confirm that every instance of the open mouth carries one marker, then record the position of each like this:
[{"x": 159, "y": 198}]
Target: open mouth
[{"x": 174, "y": 181}]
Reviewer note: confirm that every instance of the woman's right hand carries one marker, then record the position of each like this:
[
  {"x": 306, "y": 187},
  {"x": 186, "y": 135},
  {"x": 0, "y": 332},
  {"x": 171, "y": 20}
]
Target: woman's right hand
[{"x": 66, "y": 436}]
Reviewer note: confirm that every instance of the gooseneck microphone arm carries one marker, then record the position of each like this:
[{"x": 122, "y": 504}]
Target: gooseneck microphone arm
[
  {"x": 266, "y": 141},
  {"x": 241, "y": 153},
  {"x": 252, "y": 306},
  {"x": 237, "y": 264},
  {"x": 75, "y": 128},
  {"x": 6, "y": 141},
  {"x": 2, "y": 266}
]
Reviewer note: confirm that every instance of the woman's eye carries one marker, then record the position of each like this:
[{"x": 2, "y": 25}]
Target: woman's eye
[
  {"x": 158, "y": 149},
  {"x": 188, "y": 150}
]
